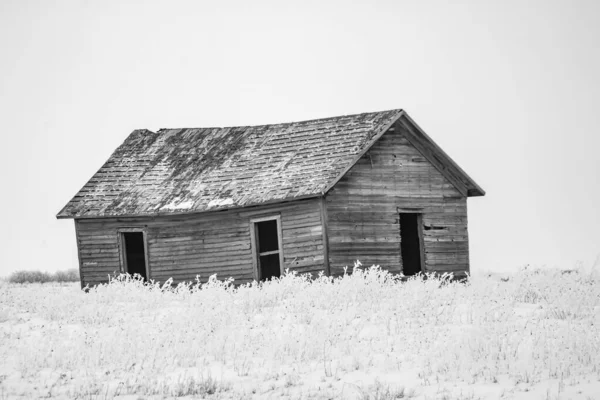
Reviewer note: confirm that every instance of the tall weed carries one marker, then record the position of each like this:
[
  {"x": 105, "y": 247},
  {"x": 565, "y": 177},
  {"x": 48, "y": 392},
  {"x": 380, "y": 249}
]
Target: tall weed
[{"x": 166, "y": 337}]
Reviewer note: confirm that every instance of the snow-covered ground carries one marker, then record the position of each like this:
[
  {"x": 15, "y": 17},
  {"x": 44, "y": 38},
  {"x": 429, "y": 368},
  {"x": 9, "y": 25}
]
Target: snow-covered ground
[{"x": 534, "y": 335}]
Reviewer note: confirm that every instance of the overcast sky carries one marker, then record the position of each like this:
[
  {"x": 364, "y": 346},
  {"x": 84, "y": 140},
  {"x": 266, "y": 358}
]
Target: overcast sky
[{"x": 509, "y": 89}]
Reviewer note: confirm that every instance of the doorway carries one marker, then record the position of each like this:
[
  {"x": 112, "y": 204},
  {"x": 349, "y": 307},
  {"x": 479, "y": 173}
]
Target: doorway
[
  {"x": 411, "y": 243},
  {"x": 134, "y": 254},
  {"x": 267, "y": 245}
]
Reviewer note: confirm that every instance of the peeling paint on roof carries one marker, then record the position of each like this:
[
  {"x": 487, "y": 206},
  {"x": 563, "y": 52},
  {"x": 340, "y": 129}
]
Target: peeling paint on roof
[
  {"x": 220, "y": 203},
  {"x": 201, "y": 169},
  {"x": 175, "y": 205}
]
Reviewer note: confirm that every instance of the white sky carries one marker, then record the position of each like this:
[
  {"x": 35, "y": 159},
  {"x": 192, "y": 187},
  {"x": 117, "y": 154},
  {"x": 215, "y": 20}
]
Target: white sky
[{"x": 508, "y": 88}]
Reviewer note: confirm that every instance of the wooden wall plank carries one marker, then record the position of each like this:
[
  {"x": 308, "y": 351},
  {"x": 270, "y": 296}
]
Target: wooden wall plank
[
  {"x": 363, "y": 210},
  {"x": 203, "y": 244}
]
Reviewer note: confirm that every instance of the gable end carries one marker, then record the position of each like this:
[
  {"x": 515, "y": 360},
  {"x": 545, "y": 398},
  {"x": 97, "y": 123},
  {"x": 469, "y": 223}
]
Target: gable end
[
  {"x": 438, "y": 157},
  {"x": 428, "y": 148}
]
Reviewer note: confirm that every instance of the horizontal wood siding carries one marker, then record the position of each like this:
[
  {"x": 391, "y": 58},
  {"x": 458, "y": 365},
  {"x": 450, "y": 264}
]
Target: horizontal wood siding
[
  {"x": 98, "y": 252},
  {"x": 302, "y": 232},
  {"x": 363, "y": 210},
  {"x": 219, "y": 243}
]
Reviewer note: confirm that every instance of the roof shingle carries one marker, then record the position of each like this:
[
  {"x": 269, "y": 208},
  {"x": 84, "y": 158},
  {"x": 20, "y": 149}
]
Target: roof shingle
[{"x": 201, "y": 169}]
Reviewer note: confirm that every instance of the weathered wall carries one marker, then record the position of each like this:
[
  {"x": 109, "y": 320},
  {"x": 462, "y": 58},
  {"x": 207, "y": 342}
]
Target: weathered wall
[
  {"x": 202, "y": 244},
  {"x": 363, "y": 210}
]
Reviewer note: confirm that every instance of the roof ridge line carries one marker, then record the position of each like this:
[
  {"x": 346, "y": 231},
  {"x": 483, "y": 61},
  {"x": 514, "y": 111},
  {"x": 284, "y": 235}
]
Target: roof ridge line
[{"x": 283, "y": 123}]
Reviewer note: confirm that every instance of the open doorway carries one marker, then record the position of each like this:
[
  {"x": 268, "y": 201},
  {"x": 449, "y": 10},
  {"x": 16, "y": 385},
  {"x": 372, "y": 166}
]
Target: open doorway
[
  {"x": 411, "y": 244},
  {"x": 267, "y": 245},
  {"x": 134, "y": 253}
]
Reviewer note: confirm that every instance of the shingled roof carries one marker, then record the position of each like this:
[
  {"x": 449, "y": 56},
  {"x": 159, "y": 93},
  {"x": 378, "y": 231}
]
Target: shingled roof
[{"x": 175, "y": 171}]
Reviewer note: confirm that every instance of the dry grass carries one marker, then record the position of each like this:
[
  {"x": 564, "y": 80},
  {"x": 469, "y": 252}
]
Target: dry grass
[{"x": 300, "y": 337}]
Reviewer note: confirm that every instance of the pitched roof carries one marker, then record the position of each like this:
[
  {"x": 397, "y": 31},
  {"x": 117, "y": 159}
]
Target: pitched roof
[{"x": 175, "y": 171}]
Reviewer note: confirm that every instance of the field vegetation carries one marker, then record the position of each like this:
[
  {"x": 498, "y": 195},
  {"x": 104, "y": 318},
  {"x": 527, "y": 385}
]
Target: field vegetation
[
  {"x": 69, "y": 275},
  {"x": 366, "y": 335}
]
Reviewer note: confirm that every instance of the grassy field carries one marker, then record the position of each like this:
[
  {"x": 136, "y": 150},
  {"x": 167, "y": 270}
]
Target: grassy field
[{"x": 533, "y": 335}]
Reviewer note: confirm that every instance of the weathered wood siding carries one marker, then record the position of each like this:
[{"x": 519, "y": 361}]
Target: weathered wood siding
[
  {"x": 184, "y": 246},
  {"x": 363, "y": 210}
]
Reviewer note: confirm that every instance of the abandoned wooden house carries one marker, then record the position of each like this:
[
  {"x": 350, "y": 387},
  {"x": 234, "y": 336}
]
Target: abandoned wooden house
[{"x": 251, "y": 202}]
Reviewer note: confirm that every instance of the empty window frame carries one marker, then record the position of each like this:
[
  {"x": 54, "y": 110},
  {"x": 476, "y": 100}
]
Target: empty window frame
[
  {"x": 411, "y": 243},
  {"x": 134, "y": 252},
  {"x": 267, "y": 248}
]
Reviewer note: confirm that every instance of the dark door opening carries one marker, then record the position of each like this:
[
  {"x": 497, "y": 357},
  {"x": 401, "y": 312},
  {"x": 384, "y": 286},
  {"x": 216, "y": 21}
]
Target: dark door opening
[
  {"x": 268, "y": 250},
  {"x": 410, "y": 243},
  {"x": 134, "y": 253}
]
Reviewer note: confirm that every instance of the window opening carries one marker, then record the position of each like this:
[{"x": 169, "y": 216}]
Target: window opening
[{"x": 269, "y": 261}]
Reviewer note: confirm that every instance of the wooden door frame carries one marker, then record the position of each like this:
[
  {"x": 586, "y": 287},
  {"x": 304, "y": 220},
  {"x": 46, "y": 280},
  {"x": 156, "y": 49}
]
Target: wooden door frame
[
  {"x": 254, "y": 242},
  {"x": 419, "y": 212},
  {"x": 122, "y": 249}
]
